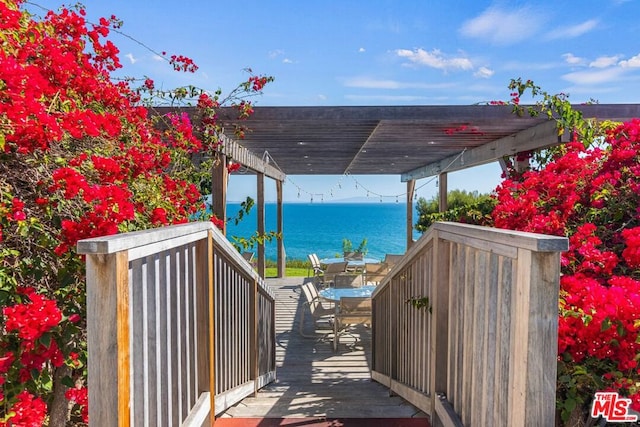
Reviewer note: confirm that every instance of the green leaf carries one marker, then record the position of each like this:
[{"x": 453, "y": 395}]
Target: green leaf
[
  {"x": 68, "y": 381},
  {"x": 45, "y": 340},
  {"x": 570, "y": 404},
  {"x": 621, "y": 330}
]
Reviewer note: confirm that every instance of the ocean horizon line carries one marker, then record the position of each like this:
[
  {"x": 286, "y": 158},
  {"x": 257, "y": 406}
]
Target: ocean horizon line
[{"x": 325, "y": 202}]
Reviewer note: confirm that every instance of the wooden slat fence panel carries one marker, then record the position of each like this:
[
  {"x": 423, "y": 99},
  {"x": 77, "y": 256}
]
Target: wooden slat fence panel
[
  {"x": 151, "y": 301},
  {"x": 494, "y": 317}
]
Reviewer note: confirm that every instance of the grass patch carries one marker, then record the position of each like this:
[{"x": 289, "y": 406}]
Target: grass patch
[
  {"x": 290, "y": 272},
  {"x": 294, "y": 268}
]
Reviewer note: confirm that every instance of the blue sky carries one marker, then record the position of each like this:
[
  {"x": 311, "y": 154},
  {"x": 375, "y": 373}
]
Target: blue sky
[{"x": 383, "y": 52}]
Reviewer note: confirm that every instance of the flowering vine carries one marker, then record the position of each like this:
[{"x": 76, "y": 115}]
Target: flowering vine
[
  {"x": 587, "y": 190},
  {"x": 81, "y": 155}
]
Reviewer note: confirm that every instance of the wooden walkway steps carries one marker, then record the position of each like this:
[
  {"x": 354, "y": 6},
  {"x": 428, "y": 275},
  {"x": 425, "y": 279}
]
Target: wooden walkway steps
[
  {"x": 322, "y": 422},
  {"x": 314, "y": 382}
]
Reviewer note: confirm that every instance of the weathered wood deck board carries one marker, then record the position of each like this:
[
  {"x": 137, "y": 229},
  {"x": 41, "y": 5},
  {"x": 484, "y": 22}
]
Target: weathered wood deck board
[{"x": 312, "y": 379}]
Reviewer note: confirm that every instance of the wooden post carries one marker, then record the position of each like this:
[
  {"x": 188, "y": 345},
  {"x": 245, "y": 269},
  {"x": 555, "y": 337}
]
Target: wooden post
[
  {"x": 260, "y": 196},
  {"x": 282, "y": 257},
  {"x": 533, "y": 365},
  {"x": 211, "y": 325},
  {"x": 108, "y": 339},
  {"x": 442, "y": 197},
  {"x": 254, "y": 353},
  {"x": 439, "y": 322},
  {"x": 219, "y": 178},
  {"x": 411, "y": 187}
]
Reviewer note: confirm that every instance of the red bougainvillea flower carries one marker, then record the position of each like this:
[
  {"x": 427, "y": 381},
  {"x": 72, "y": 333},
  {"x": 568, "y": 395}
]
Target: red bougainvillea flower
[
  {"x": 591, "y": 196},
  {"x": 28, "y": 411},
  {"x": 32, "y": 319},
  {"x": 631, "y": 253},
  {"x": 217, "y": 222},
  {"x": 79, "y": 396}
]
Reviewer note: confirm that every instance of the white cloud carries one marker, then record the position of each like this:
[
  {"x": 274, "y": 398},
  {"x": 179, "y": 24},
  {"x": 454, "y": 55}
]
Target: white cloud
[
  {"x": 573, "y": 31},
  {"x": 591, "y": 77},
  {"x": 604, "y": 61},
  {"x": 435, "y": 59},
  {"x": 504, "y": 27},
  {"x": 372, "y": 83},
  {"x": 361, "y": 50},
  {"x": 633, "y": 62},
  {"x": 287, "y": 61},
  {"x": 518, "y": 66},
  {"x": 484, "y": 72},
  {"x": 131, "y": 58},
  {"x": 158, "y": 58},
  {"x": 571, "y": 59},
  {"x": 275, "y": 53},
  {"x": 368, "y": 99}
]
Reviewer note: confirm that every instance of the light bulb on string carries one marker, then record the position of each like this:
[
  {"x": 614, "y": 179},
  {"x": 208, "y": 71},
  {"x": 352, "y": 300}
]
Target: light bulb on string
[
  {"x": 436, "y": 183},
  {"x": 397, "y": 201},
  {"x": 312, "y": 198}
]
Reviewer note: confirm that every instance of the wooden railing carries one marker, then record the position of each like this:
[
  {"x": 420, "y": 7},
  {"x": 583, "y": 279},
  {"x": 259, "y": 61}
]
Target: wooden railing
[
  {"x": 483, "y": 351},
  {"x": 159, "y": 304}
]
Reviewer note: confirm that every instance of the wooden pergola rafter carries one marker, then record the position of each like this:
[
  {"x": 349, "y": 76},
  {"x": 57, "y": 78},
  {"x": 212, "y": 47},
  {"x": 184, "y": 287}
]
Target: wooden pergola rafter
[{"x": 412, "y": 142}]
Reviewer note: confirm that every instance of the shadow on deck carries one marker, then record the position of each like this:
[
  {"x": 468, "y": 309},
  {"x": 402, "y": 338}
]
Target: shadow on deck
[{"x": 312, "y": 379}]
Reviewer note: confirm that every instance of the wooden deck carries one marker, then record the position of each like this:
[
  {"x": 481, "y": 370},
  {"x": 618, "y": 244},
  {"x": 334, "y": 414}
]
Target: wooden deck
[{"x": 312, "y": 379}]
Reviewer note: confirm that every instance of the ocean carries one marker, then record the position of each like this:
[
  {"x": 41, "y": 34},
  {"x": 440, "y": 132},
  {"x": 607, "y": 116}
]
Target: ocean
[{"x": 320, "y": 228}]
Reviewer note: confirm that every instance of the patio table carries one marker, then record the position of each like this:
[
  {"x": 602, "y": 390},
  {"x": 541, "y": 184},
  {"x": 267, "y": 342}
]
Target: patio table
[
  {"x": 352, "y": 262},
  {"x": 334, "y": 294}
]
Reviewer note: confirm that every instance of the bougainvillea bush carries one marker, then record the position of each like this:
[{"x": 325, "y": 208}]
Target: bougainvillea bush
[
  {"x": 590, "y": 192},
  {"x": 80, "y": 156}
]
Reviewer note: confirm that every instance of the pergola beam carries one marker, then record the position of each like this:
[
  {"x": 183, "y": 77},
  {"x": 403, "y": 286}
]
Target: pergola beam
[
  {"x": 233, "y": 150},
  {"x": 540, "y": 136}
]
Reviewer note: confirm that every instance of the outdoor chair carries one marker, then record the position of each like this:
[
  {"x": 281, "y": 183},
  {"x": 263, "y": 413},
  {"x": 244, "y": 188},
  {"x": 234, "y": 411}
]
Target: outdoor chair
[
  {"x": 353, "y": 256},
  {"x": 250, "y": 258},
  {"x": 392, "y": 259},
  {"x": 332, "y": 270},
  {"x": 351, "y": 311},
  {"x": 316, "y": 266},
  {"x": 348, "y": 280},
  {"x": 319, "y": 312},
  {"x": 374, "y": 273}
]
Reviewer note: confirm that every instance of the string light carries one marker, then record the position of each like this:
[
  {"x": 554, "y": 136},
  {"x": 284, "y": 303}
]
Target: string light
[{"x": 359, "y": 185}]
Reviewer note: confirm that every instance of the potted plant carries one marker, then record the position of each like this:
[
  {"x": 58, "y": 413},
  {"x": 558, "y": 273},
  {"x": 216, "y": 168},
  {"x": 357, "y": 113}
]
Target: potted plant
[{"x": 350, "y": 253}]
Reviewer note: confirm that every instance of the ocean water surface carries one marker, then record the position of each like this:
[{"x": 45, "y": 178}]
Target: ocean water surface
[{"x": 320, "y": 228}]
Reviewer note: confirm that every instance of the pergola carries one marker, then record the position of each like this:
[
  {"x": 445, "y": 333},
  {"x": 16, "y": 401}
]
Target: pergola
[{"x": 413, "y": 142}]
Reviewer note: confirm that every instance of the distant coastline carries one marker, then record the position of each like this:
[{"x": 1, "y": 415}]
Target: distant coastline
[
  {"x": 351, "y": 200},
  {"x": 320, "y": 227}
]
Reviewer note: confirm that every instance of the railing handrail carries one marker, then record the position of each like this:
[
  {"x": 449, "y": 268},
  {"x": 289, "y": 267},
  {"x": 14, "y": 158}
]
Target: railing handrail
[
  {"x": 477, "y": 234},
  {"x": 152, "y": 298},
  {"x": 479, "y": 353},
  {"x": 192, "y": 231}
]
